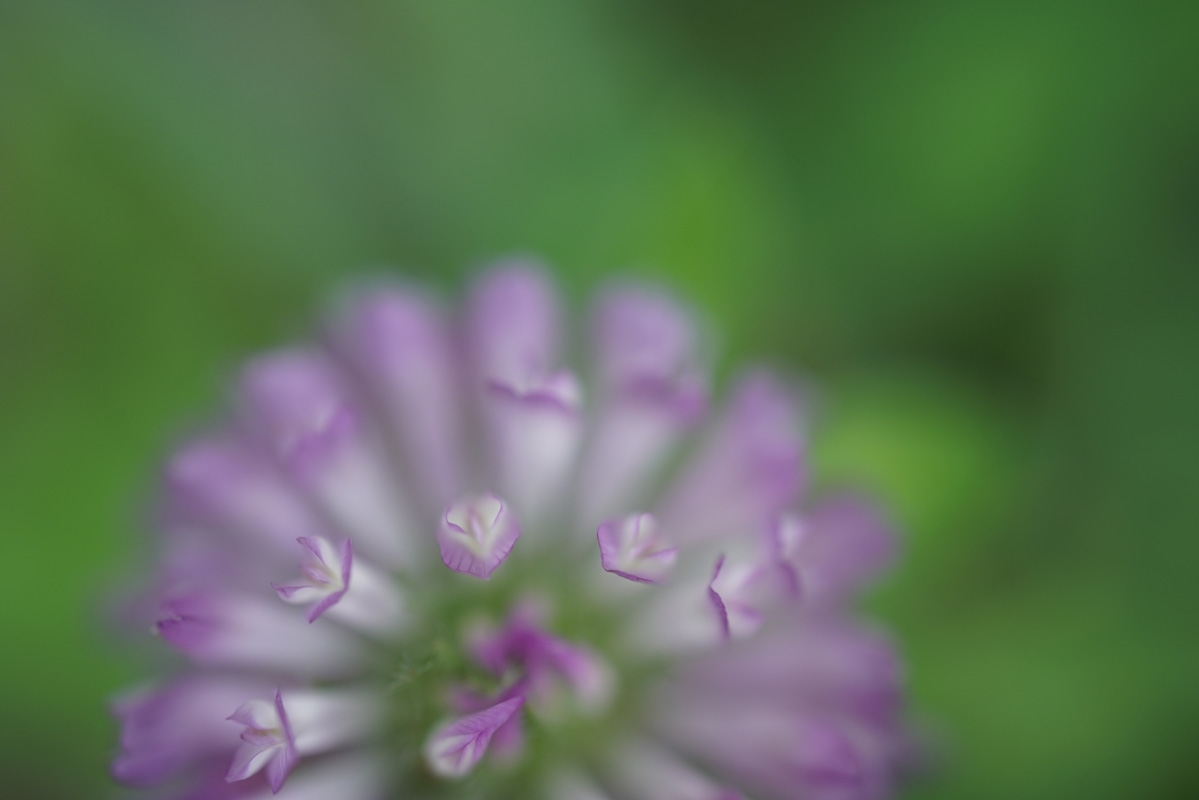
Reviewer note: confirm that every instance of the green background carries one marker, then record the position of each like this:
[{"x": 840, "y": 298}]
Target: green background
[{"x": 974, "y": 225}]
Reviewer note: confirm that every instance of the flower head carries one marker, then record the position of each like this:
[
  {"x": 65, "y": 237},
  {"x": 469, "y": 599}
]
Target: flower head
[{"x": 423, "y": 557}]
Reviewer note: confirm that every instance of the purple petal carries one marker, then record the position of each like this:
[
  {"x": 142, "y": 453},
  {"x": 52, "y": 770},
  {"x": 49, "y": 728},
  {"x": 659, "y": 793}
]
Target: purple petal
[
  {"x": 328, "y": 576},
  {"x": 826, "y": 758},
  {"x": 279, "y": 768},
  {"x": 546, "y": 662},
  {"x": 747, "y": 472},
  {"x": 745, "y": 590},
  {"x": 476, "y": 534},
  {"x": 402, "y": 345},
  {"x": 534, "y": 431},
  {"x": 632, "y": 549},
  {"x": 722, "y": 613},
  {"x": 167, "y": 728},
  {"x": 268, "y": 742},
  {"x": 288, "y": 592},
  {"x": 189, "y": 622},
  {"x": 844, "y": 542},
  {"x": 513, "y": 322},
  {"x": 297, "y": 401},
  {"x": 454, "y": 749},
  {"x": 642, "y": 335},
  {"x": 650, "y": 394},
  {"x": 347, "y": 565},
  {"x": 531, "y": 408},
  {"x": 226, "y": 482},
  {"x": 233, "y": 629},
  {"x": 807, "y": 663}
]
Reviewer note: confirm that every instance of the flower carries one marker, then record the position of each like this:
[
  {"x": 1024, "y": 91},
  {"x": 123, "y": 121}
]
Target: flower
[{"x": 415, "y": 561}]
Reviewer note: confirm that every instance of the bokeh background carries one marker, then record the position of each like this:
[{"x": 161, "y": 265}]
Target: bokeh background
[{"x": 975, "y": 226}]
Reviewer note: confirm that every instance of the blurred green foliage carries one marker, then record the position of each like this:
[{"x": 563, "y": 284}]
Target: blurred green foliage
[{"x": 975, "y": 225}]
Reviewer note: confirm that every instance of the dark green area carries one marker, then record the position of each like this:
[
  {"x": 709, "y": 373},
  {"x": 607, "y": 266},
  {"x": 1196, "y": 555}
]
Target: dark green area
[{"x": 974, "y": 226}]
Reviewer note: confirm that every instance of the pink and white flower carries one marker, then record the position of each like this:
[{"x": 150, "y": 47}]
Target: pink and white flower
[{"x": 424, "y": 551}]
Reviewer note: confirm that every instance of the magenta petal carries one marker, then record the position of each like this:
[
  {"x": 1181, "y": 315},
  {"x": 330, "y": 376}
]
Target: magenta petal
[{"x": 455, "y": 749}]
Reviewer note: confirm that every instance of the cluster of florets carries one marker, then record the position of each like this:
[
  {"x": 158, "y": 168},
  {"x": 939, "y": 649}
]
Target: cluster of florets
[{"x": 414, "y": 562}]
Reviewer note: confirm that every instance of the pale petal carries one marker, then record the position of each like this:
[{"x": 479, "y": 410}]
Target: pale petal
[{"x": 476, "y": 534}]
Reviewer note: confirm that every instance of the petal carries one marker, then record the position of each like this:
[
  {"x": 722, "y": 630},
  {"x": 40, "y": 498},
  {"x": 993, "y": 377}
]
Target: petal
[
  {"x": 531, "y": 409},
  {"x": 225, "y": 483},
  {"x": 329, "y": 571},
  {"x": 642, "y": 333},
  {"x": 298, "y": 403},
  {"x": 844, "y": 542},
  {"x": 632, "y": 549},
  {"x": 650, "y": 393},
  {"x": 279, "y": 767},
  {"x": 632, "y": 438},
  {"x": 402, "y": 345},
  {"x": 534, "y": 434},
  {"x": 249, "y": 760},
  {"x": 454, "y": 749},
  {"x": 807, "y": 663},
  {"x": 166, "y": 728},
  {"x": 513, "y": 323},
  {"x": 268, "y": 742},
  {"x": 778, "y": 751},
  {"x": 256, "y": 714},
  {"x": 476, "y": 534},
  {"x": 241, "y": 630},
  {"x": 746, "y": 473}
]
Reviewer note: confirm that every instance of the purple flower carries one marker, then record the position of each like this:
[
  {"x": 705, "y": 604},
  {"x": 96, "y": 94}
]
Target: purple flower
[{"x": 423, "y": 550}]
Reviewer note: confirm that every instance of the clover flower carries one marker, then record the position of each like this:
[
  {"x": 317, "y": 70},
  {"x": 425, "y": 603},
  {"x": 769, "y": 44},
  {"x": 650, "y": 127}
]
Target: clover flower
[{"x": 414, "y": 561}]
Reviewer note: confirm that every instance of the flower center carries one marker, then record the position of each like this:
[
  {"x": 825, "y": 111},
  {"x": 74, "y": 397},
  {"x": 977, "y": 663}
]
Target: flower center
[{"x": 520, "y": 671}]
